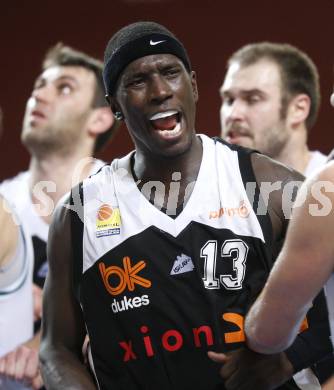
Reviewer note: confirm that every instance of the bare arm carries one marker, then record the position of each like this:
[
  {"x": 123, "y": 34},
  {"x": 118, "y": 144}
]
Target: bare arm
[
  {"x": 304, "y": 265},
  {"x": 9, "y": 235},
  {"x": 21, "y": 363},
  {"x": 329, "y": 385},
  {"x": 63, "y": 329}
]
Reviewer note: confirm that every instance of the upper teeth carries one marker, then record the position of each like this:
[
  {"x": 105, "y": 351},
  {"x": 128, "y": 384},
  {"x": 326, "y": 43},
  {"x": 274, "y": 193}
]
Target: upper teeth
[{"x": 164, "y": 114}]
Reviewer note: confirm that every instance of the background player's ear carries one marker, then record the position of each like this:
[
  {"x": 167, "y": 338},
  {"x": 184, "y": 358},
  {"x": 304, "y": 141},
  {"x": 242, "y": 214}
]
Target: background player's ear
[{"x": 298, "y": 109}]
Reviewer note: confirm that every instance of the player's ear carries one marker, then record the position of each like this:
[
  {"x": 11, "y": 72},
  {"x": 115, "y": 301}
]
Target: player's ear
[
  {"x": 101, "y": 120},
  {"x": 194, "y": 85},
  {"x": 116, "y": 109},
  {"x": 298, "y": 109}
]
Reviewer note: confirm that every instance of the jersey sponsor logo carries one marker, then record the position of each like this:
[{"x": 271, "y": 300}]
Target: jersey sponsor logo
[
  {"x": 108, "y": 221},
  {"x": 129, "y": 303},
  {"x": 241, "y": 211},
  {"x": 182, "y": 264},
  {"x": 117, "y": 279},
  {"x": 172, "y": 340}
]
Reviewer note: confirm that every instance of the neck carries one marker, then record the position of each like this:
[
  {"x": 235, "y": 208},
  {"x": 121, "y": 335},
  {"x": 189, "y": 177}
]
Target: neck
[
  {"x": 176, "y": 174},
  {"x": 53, "y": 176},
  {"x": 295, "y": 153},
  {"x": 148, "y": 167}
]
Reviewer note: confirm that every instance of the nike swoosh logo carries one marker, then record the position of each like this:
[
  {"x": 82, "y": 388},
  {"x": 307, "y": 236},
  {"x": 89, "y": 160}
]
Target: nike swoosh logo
[{"x": 152, "y": 43}]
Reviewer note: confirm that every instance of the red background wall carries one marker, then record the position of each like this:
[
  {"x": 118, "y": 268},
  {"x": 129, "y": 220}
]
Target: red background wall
[{"x": 211, "y": 31}]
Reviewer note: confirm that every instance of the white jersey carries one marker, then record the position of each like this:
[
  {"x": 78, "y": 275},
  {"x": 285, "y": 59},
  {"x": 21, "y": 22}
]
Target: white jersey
[
  {"x": 16, "y": 302},
  {"x": 16, "y": 305},
  {"x": 317, "y": 160},
  {"x": 18, "y": 190}
]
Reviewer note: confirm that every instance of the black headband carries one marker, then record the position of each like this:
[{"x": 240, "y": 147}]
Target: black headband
[{"x": 153, "y": 43}]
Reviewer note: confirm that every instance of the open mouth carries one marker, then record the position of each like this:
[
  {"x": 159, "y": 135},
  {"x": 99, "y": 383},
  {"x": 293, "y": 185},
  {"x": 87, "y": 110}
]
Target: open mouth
[
  {"x": 37, "y": 114},
  {"x": 167, "y": 123}
]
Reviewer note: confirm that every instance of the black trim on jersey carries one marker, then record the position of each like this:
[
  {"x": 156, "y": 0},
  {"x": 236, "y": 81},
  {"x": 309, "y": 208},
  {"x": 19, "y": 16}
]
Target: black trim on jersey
[
  {"x": 77, "y": 237},
  {"x": 40, "y": 259},
  {"x": 248, "y": 176},
  {"x": 98, "y": 171}
]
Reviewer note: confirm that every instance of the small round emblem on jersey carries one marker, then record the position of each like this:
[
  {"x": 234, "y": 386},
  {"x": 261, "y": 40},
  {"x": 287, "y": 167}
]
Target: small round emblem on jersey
[
  {"x": 243, "y": 210},
  {"x": 108, "y": 221},
  {"x": 104, "y": 212}
]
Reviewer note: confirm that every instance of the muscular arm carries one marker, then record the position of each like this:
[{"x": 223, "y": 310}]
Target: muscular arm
[
  {"x": 63, "y": 325},
  {"x": 304, "y": 265}
]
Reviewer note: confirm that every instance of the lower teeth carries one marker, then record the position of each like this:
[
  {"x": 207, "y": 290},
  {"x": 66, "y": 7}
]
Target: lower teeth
[{"x": 172, "y": 132}]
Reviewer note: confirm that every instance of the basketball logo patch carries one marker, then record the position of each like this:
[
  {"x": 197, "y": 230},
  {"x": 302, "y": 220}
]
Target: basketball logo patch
[
  {"x": 104, "y": 212},
  {"x": 108, "y": 221}
]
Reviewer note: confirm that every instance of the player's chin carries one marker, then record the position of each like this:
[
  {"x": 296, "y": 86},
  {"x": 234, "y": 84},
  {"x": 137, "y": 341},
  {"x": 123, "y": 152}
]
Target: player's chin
[{"x": 177, "y": 148}]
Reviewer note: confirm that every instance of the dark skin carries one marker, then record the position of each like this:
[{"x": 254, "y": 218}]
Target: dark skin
[
  {"x": 148, "y": 86},
  {"x": 63, "y": 327},
  {"x": 157, "y": 84}
]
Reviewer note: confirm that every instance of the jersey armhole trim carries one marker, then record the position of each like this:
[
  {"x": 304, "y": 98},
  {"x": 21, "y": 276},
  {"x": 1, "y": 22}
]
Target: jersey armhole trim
[{"x": 77, "y": 240}]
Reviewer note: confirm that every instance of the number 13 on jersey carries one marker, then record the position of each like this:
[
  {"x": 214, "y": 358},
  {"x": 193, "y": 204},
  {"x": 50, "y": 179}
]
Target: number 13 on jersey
[{"x": 234, "y": 251}]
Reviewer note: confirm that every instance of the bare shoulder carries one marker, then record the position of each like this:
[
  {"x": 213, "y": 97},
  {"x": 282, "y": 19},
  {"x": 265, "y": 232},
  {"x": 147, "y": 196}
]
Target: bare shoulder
[
  {"x": 59, "y": 240},
  {"x": 326, "y": 173},
  {"x": 313, "y": 214},
  {"x": 9, "y": 233},
  {"x": 61, "y": 217},
  {"x": 268, "y": 169},
  {"x": 279, "y": 185},
  {"x": 6, "y": 215},
  {"x": 317, "y": 197}
]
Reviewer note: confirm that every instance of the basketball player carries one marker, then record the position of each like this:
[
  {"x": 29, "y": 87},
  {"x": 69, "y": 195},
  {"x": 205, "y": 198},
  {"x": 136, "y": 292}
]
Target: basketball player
[
  {"x": 15, "y": 286},
  {"x": 65, "y": 123},
  {"x": 270, "y": 101},
  {"x": 16, "y": 325},
  {"x": 161, "y": 253}
]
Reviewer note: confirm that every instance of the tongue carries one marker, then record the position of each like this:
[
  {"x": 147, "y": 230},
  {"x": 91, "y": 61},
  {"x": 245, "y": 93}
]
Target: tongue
[{"x": 167, "y": 123}]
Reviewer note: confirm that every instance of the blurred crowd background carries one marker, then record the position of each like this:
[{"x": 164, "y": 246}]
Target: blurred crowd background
[{"x": 211, "y": 31}]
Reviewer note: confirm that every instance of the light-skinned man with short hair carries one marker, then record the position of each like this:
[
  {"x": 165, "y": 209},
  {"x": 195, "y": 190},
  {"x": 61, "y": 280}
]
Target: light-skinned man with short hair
[
  {"x": 66, "y": 121},
  {"x": 270, "y": 101}
]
